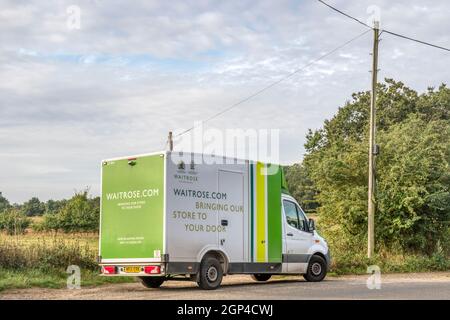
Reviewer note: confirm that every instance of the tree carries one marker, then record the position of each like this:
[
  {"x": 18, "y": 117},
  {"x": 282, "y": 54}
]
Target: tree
[
  {"x": 14, "y": 222},
  {"x": 54, "y": 206},
  {"x": 34, "y": 207},
  {"x": 301, "y": 187},
  {"x": 413, "y": 203},
  {"x": 414, "y": 183},
  {"x": 79, "y": 214},
  {"x": 4, "y": 203}
]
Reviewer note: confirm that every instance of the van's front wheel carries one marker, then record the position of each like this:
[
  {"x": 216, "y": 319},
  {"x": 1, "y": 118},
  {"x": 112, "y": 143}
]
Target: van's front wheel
[
  {"x": 152, "y": 282},
  {"x": 317, "y": 269},
  {"x": 211, "y": 274}
]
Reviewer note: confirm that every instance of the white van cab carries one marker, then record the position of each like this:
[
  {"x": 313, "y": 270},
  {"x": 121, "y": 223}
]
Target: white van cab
[{"x": 305, "y": 250}]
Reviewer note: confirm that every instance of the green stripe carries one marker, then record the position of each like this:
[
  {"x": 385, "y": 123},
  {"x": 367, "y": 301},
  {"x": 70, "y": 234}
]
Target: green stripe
[
  {"x": 251, "y": 212},
  {"x": 274, "y": 216}
]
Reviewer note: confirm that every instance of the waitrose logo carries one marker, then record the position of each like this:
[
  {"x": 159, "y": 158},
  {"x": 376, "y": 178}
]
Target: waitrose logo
[{"x": 132, "y": 194}]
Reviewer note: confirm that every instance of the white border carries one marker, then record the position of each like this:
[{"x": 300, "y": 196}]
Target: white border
[
  {"x": 137, "y": 260},
  {"x": 136, "y": 156},
  {"x": 100, "y": 222},
  {"x": 165, "y": 190}
]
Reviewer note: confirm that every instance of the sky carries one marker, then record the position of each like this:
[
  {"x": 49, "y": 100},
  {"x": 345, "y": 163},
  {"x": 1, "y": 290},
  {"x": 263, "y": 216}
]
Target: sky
[{"x": 82, "y": 81}]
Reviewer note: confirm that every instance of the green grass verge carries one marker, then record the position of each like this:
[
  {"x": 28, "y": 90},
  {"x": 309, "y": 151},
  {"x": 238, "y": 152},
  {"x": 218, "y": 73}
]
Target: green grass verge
[
  {"x": 20, "y": 279},
  {"x": 351, "y": 263}
]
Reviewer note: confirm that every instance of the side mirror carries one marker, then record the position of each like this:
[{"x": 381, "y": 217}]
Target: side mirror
[{"x": 311, "y": 225}]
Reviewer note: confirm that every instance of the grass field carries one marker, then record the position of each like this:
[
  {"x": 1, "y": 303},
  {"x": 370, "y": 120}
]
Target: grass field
[
  {"x": 41, "y": 260},
  {"x": 88, "y": 239}
]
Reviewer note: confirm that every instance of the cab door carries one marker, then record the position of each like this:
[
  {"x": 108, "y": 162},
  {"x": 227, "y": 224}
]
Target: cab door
[{"x": 297, "y": 237}]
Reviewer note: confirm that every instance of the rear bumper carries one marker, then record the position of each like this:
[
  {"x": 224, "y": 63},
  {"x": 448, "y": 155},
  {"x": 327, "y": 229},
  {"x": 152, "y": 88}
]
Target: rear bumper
[
  {"x": 120, "y": 269},
  {"x": 167, "y": 268}
]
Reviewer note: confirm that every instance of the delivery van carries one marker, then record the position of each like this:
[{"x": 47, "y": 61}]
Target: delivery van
[{"x": 187, "y": 216}]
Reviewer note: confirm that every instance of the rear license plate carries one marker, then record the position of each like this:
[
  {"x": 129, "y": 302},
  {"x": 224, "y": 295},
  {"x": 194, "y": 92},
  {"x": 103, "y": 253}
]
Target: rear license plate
[{"x": 132, "y": 269}]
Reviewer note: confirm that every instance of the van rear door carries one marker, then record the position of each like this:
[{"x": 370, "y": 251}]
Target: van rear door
[{"x": 132, "y": 210}]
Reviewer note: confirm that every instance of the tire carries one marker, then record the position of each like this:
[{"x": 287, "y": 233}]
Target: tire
[
  {"x": 210, "y": 274},
  {"x": 261, "y": 276},
  {"x": 152, "y": 282},
  {"x": 317, "y": 269}
]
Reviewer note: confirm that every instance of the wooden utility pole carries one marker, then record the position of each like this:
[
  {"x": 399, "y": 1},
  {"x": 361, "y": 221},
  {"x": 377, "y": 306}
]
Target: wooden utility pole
[
  {"x": 170, "y": 141},
  {"x": 372, "y": 145}
]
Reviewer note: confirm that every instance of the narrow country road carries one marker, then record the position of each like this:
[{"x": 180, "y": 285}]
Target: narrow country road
[{"x": 393, "y": 286}]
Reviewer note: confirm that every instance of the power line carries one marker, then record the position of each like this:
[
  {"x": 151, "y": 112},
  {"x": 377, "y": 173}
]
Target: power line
[
  {"x": 345, "y": 14},
  {"x": 419, "y": 41},
  {"x": 274, "y": 83},
  {"x": 383, "y": 30}
]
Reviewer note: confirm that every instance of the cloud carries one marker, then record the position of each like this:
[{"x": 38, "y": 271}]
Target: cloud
[{"x": 135, "y": 70}]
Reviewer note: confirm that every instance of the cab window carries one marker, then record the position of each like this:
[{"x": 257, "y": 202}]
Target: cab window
[
  {"x": 291, "y": 213},
  {"x": 295, "y": 216},
  {"x": 303, "y": 221}
]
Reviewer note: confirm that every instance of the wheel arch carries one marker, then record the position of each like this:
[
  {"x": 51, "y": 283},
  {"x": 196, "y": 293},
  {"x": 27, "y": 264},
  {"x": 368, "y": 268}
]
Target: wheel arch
[
  {"x": 318, "y": 253},
  {"x": 219, "y": 255}
]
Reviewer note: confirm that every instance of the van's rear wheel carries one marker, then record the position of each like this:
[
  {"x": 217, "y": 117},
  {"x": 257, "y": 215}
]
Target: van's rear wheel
[
  {"x": 152, "y": 282},
  {"x": 261, "y": 276},
  {"x": 317, "y": 269},
  {"x": 211, "y": 274}
]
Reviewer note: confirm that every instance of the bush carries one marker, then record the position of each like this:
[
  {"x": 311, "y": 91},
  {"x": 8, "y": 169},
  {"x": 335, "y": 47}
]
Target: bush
[
  {"x": 56, "y": 254},
  {"x": 13, "y": 221},
  {"x": 79, "y": 214}
]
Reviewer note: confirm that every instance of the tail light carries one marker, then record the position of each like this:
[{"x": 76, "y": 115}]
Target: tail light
[
  {"x": 152, "y": 269},
  {"x": 109, "y": 269}
]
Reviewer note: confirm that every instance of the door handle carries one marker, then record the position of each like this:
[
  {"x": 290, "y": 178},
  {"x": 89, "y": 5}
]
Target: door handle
[
  {"x": 290, "y": 234},
  {"x": 224, "y": 223}
]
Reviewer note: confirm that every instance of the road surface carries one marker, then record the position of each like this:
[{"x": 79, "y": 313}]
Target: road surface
[{"x": 393, "y": 286}]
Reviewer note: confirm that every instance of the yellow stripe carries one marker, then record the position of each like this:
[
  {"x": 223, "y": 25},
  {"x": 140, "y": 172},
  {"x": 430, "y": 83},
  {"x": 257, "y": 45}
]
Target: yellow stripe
[{"x": 260, "y": 214}]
